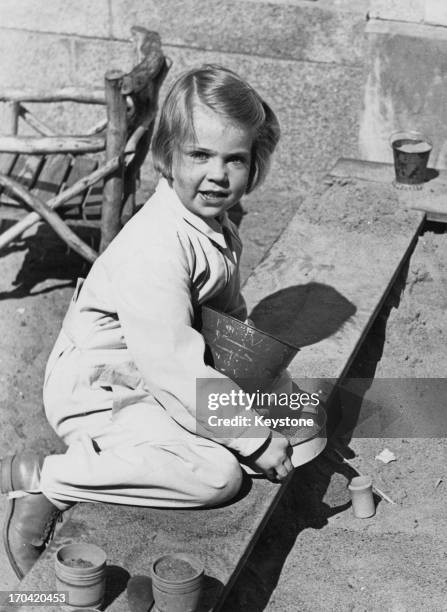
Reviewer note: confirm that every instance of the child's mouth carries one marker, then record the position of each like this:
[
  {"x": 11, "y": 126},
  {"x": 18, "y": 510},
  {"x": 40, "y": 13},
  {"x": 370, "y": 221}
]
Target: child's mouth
[{"x": 213, "y": 196}]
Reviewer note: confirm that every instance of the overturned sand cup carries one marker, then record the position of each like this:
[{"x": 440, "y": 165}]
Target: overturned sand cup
[
  {"x": 362, "y": 497},
  {"x": 249, "y": 356},
  {"x": 411, "y": 151}
]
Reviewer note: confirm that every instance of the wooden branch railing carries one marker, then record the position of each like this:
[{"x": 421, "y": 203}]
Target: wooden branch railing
[
  {"x": 80, "y": 186},
  {"x": 65, "y": 94},
  {"x": 44, "y": 145},
  {"x": 44, "y": 130},
  {"x": 51, "y": 217},
  {"x": 132, "y": 106},
  {"x": 37, "y": 124}
]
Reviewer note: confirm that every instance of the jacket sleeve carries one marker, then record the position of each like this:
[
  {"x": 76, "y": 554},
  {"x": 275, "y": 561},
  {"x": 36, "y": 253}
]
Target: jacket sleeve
[{"x": 152, "y": 293}]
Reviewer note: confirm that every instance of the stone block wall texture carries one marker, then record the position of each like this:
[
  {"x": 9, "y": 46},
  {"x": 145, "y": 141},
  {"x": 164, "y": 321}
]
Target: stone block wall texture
[
  {"x": 339, "y": 83},
  {"x": 399, "y": 10},
  {"x": 417, "y": 11},
  {"x": 406, "y": 84},
  {"x": 306, "y": 57},
  {"x": 406, "y": 88}
]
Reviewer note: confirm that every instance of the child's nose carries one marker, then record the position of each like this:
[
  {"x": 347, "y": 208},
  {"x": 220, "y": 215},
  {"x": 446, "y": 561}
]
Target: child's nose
[{"x": 217, "y": 170}]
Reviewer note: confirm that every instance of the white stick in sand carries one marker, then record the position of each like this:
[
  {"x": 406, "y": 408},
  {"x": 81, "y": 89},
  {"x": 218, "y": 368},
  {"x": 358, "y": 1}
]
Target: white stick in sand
[{"x": 376, "y": 489}]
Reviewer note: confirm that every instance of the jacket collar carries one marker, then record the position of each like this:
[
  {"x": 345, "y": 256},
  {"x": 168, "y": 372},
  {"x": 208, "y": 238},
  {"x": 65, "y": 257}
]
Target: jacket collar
[{"x": 213, "y": 228}]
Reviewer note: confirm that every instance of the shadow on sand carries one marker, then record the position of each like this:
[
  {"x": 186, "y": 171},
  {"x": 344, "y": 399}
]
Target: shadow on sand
[
  {"x": 303, "y": 314},
  {"x": 46, "y": 257}
]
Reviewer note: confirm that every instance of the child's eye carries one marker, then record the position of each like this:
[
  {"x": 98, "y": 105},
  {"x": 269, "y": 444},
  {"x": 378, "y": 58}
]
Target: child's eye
[
  {"x": 199, "y": 155},
  {"x": 238, "y": 160}
]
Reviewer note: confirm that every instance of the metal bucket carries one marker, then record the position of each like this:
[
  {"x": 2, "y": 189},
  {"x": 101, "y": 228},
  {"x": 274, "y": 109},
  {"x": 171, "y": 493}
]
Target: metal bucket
[
  {"x": 249, "y": 356},
  {"x": 254, "y": 360},
  {"x": 411, "y": 151}
]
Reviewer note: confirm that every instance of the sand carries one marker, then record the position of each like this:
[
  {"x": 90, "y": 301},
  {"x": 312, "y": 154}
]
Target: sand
[{"x": 412, "y": 146}]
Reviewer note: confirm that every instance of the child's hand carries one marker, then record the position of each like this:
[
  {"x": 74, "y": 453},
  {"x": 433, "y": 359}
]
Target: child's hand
[{"x": 274, "y": 460}]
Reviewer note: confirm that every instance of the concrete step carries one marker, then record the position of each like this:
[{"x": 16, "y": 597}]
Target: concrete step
[{"x": 430, "y": 197}]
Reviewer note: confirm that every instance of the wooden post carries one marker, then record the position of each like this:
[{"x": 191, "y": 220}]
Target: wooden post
[
  {"x": 14, "y": 118},
  {"x": 130, "y": 200},
  {"x": 115, "y": 142},
  {"x": 7, "y": 161}
]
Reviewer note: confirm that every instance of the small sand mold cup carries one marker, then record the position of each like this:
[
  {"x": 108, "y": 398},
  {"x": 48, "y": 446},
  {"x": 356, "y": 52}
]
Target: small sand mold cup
[
  {"x": 247, "y": 355},
  {"x": 81, "y": 570},
  {"x": 411, "y": 151},
  {"x": 177, "y": 582},
  {"x": 362, "y": 497}
]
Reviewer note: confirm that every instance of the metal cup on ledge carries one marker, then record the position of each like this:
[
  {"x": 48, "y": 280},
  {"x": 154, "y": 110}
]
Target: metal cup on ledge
[{"x": 411, "y": 151}]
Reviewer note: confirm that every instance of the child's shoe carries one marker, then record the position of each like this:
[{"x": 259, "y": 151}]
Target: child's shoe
[
  {"x": 31, "y": 517},
  {"x": 20, "y": 472}
]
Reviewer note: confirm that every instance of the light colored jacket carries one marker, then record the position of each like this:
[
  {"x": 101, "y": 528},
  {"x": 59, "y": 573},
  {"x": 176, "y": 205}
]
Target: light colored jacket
[{"x": 130, "y": 324}]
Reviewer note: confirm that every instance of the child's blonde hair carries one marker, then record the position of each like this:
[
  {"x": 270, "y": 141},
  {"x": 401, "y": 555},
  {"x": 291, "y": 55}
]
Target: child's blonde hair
[{"x": 226, "y": 94}]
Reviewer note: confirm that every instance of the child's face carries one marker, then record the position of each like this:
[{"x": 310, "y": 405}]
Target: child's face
[{"x": 210, "y": 173}]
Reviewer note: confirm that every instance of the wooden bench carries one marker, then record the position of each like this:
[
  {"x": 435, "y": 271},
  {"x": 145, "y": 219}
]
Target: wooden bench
[{"x": 325, "y": 280}]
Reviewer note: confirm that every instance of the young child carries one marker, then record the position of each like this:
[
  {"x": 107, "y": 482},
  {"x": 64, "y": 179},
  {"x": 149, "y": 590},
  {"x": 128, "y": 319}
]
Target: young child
[{"x": 121, "y": 382}]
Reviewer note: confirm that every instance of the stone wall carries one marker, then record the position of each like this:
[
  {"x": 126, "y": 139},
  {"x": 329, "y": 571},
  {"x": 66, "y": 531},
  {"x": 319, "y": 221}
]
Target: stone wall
[
  {"x": 406, "y": 87},
  {"x": 341, "y": 74},
  {"x": 406, "y": 84},
  {"x": 433, "y": 12},
  {"x": 306, "y": 57}
]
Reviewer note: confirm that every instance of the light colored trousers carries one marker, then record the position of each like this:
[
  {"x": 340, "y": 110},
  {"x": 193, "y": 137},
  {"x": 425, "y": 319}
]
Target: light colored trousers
[
  {"x": 174, "y": 469},
  {"x": 137, "y": 455}
]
